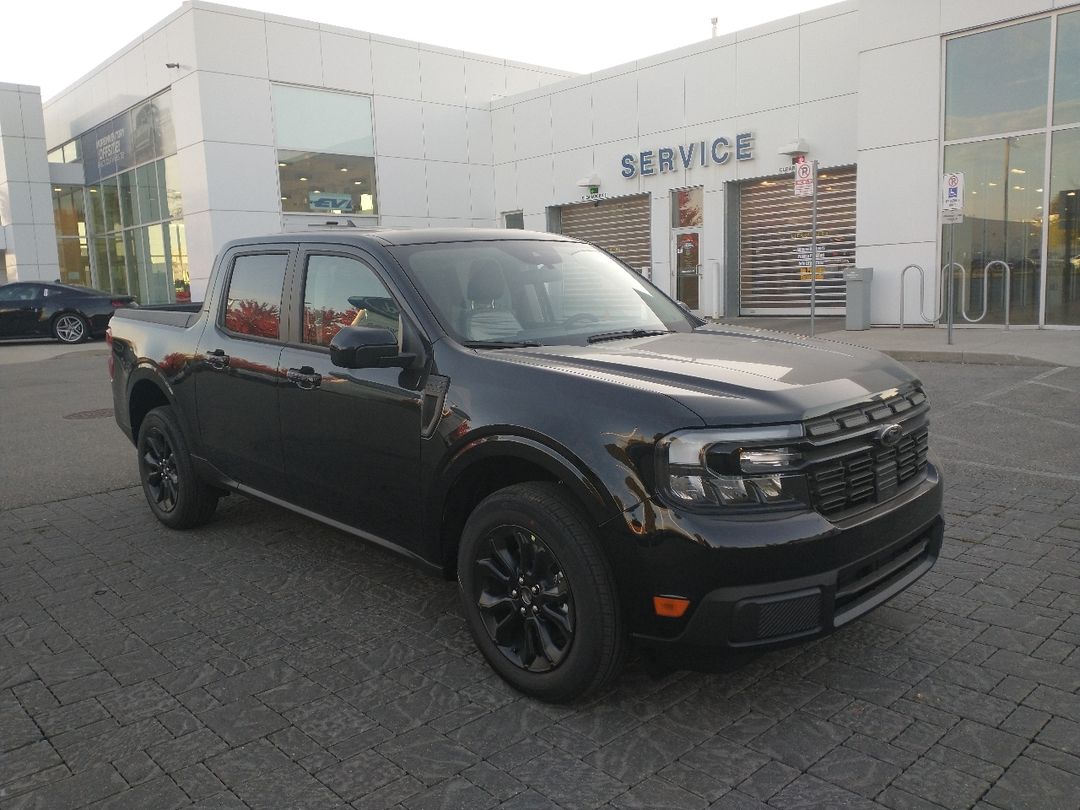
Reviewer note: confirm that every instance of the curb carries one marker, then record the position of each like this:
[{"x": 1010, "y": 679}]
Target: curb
[{"x": 967, "y": 358}]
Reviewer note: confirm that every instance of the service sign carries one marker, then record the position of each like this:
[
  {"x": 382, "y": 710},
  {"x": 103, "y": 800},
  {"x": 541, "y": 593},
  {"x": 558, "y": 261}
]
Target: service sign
[{"x": 952, "y": 197}]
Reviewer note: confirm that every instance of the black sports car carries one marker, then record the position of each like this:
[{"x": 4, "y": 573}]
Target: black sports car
[{"x": 68, "y": 313}]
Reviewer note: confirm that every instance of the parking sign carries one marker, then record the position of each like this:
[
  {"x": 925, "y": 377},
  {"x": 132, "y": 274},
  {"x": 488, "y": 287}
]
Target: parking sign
[
  {"x": 952, "y": 197},
  {"x": 804, "y": 179}
]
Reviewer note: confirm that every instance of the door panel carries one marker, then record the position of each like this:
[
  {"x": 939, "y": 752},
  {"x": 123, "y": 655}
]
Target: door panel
[
  {"x": 238, "y": 381},
  {"x": 351, "y": 437},
  {"x": 20, "y": 311}
]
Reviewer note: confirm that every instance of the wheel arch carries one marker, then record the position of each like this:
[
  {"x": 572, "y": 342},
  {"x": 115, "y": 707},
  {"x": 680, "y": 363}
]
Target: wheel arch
[
  {"x": 148, "y": 390},
  {"x": 496, "y": 462}
]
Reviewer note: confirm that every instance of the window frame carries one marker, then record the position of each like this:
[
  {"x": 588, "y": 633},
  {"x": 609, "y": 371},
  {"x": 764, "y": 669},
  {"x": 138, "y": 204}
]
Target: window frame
[{"x": 284, "y": 317}]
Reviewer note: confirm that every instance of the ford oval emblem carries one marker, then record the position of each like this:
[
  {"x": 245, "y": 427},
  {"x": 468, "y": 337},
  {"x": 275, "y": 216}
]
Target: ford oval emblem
[{"x": 890, "y": 435}]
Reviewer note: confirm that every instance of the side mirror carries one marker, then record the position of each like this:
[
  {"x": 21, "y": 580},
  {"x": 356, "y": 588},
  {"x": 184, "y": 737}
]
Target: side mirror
[{"x": 367, "y": 347}]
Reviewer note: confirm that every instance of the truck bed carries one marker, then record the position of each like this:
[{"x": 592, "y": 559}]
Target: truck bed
[{"x": 180, "y": 316}]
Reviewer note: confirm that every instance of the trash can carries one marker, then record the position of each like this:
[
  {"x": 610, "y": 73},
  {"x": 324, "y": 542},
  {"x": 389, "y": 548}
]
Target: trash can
[{"x": 858, "y": 297}]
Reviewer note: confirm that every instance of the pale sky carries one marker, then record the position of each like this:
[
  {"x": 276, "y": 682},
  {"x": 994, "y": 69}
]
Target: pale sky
[{"x": 51, "y": 43}]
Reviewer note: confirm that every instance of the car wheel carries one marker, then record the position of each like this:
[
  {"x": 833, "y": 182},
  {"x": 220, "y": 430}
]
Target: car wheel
[
  {"x": 70, "y": 328},
  {"x": 177, "y": 497},
  {"x": 538, "y": 594}
]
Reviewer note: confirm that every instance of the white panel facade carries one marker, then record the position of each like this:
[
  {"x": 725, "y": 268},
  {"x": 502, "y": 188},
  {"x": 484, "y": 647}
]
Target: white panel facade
[
  {"x": 767, "y": 72},
  {"x": 293, "y": 53},
  {"x": 395, "y": 70},
  {"x": 26, "y": 217},
  {"x": 346, "y": 61},
  {"x": 461, "y": 138}
]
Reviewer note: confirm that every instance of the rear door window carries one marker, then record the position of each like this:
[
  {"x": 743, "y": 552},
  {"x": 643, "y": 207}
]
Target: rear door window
[{"x": 253, "y": 300}]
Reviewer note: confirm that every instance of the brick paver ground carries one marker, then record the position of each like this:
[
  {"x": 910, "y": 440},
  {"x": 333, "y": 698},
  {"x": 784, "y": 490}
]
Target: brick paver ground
[{"x": 268, "y": 662}]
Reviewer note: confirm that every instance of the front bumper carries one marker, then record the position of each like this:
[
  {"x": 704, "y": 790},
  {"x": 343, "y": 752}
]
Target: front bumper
[{"x": 767, "y": 583}]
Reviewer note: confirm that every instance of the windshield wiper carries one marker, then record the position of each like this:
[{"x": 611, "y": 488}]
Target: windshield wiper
[
  {"x": 622, "y": 334},
  {"x": 501, "y": 344}
]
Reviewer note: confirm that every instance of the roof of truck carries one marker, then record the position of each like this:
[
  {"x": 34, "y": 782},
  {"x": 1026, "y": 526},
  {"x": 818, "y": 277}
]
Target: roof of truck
[{"x": 402, "y": 236}]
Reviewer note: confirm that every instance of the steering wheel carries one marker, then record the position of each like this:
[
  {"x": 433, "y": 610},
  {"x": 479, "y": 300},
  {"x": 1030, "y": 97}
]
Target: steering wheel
[{"x": 581, "y": 318}]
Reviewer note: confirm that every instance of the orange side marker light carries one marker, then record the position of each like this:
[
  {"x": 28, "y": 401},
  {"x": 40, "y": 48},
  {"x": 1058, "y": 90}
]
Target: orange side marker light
[{"x": 670, "y": 606}]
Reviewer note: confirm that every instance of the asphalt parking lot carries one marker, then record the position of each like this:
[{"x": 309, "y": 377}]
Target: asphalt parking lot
[{"x": 266, "y": 661}]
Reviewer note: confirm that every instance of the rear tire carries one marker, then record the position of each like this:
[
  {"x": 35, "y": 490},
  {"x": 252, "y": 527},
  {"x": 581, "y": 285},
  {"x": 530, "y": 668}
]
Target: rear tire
[
  {"x": 176, "y": 495},
  {"x": 70, "y": 328},
  {"x": 539, "y": 595}
]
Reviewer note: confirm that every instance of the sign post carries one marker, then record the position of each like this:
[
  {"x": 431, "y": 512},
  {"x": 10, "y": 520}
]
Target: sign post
[
  {"x": 806, "y": 186},
  {"x": 952, "y": 214}
]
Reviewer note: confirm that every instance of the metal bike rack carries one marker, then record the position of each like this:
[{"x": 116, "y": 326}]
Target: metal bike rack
[
  {"x": 986, "y": 290},
  {"x": 922, "y": 296},
  {"x": 1008, "y": 285}
]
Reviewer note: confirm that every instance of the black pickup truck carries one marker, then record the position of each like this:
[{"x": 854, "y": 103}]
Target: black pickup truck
[{"x": 520, "y": 411}]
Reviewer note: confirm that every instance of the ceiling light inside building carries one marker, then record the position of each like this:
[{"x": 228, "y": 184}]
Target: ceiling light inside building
[
  {"x": 282, "y": 164},
  {"x": 1018, "y": 171},
  {"x": 344, "y": 169},
  {"x": 304, "y": 179}
]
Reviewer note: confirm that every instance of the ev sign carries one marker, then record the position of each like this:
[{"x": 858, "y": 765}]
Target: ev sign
[
  {"x": 804, "y": 178},
  {"x": 952, "y": 198}
]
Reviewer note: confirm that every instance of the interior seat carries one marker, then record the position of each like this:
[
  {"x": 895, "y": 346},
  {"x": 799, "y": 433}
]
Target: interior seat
[{"x": 488, "y": 317}]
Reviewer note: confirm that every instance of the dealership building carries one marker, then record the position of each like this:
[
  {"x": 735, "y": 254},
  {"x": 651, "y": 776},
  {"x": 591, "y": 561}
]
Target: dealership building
[{"x": 221, "y": 122}]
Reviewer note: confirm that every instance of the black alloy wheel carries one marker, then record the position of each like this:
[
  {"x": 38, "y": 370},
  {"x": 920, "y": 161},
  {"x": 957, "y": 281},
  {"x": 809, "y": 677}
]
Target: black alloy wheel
[
  {"x": 524, "y": 599},
  {"x": 162, "y": 476},
  {"x": 175, "y": 493},
  {"x": 538, "y": 593}
]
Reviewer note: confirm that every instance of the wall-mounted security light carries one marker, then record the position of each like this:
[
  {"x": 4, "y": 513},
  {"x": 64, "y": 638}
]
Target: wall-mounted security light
[
  {"x": 796, "y": 147},
  {"x": 590, "y": 183}
]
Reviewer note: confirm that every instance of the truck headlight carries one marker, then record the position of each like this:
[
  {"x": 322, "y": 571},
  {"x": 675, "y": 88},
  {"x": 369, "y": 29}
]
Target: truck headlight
[{"x": 736, "y": 467}]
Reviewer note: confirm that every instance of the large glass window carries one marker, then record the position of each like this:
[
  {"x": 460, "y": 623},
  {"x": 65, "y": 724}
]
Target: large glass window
[
  {"x": 996, "y": 81},
  {"x": 1063, "y": 242},
  {"x": 69, "y": 213},
  {"x": 326, "y": 151},
  {"x": 339, "y": 292},
  {"x": 132, "y": 240},
  {"x": 1067, "y": 70},
  {"x": 1002, "y": 223},
  {"x": 253, "y": 303},
  {"x": 1018, "y": 241},
  {"x": 326, "y": 184}
]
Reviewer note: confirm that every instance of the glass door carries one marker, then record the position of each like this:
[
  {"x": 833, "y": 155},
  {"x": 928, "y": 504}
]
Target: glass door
[
  {"x": 688, "y": 268},
  {"x": 687, "y": 218}
]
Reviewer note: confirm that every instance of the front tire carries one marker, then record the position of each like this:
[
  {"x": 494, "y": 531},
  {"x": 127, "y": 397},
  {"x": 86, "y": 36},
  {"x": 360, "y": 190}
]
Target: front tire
[
  {"x": 538, "y": 594},
  {"x": 176, "y": 495},
  {"x": 70, "y": 328}
]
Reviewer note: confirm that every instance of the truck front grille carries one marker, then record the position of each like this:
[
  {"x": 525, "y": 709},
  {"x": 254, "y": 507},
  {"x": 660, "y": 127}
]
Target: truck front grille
[
  {"x": 870, "y": 474},
  {"x": 848, "y": 465}
]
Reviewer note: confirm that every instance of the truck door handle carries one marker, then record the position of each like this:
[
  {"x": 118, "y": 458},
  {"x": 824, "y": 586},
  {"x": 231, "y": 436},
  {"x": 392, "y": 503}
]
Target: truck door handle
[
  {"x": 304, "y": 377},
  {"x": 217, "y": 359}
]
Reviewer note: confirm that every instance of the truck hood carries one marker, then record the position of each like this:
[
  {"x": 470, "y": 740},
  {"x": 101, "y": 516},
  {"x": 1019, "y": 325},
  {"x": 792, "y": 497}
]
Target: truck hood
[{"x": 731, "y": 375}]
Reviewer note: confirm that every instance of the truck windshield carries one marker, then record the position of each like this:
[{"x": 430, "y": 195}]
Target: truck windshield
[{"x": 520, "y": 292}]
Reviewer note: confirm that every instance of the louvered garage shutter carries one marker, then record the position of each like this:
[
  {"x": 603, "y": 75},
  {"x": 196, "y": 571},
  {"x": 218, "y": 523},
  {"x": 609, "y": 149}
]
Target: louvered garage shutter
[
  {"x": 774, "y": 233},
  {"x": 620, "y": 226}
]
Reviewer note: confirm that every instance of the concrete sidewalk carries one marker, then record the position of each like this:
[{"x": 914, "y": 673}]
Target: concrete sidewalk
[{"x": 987, "y": 345}]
